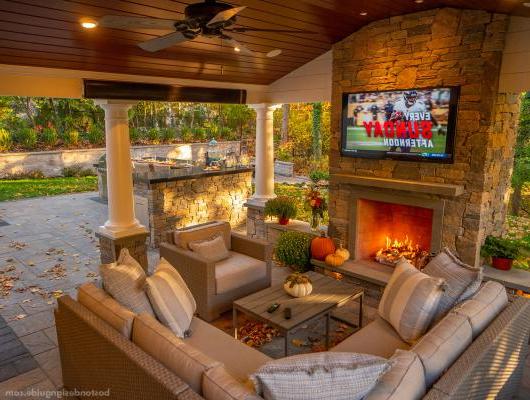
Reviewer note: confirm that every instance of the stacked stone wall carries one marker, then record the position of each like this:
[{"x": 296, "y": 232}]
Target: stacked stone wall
[{"x": 442, "y": 47}]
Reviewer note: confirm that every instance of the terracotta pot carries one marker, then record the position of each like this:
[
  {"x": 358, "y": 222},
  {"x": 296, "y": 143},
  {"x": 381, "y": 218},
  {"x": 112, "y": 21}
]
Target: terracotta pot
[
  {"x": 504, "y": 264},
  {"x": 283, "y": 220}
]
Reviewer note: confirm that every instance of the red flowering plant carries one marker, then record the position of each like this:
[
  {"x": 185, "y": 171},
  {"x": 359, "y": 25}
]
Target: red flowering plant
[{"x": 316, "y": 201}]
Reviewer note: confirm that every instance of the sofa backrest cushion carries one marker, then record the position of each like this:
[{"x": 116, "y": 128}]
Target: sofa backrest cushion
[
  {"x": 404, "y": 380},
  {"x": 218, "y": 384},
  {"x": 462, "y": 280},
  {"x": 183, "y": 237},
  {"x": 106, "y": 308},
  {"x": 484, "y": 306},
  {"x": 442, "y": 345},
  {"x": 159, "y": 342},
  {"x": 325, "y": 375},
  {"x": 410, "y": 301},
  {"x": 171, "y": 298},
  {"x": 125, "y": 280}
]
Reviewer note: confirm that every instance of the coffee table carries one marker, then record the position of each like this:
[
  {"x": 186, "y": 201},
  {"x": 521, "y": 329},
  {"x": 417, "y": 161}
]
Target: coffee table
[{"x": 327, "y": 294}]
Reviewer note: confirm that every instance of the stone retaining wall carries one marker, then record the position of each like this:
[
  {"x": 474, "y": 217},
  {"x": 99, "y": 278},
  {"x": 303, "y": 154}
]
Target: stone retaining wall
[
  {"x": 443, "y": 47},
  {"x": 51, "y": 163}
]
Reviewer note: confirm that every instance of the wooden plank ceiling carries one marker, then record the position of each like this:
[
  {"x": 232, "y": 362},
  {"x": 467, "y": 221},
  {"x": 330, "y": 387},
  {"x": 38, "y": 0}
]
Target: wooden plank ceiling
[{"x": 46, "y": 33}]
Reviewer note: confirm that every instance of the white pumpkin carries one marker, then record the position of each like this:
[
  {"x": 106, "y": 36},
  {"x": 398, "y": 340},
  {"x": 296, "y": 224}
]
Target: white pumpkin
[{"x": 298, "y": 289}]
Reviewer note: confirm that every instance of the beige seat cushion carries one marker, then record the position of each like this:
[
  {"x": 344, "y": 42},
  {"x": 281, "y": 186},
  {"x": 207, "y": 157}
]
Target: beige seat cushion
[
  {"x": 410, "y": 301},
  {"x": 484, "y": 306},
  {"x": 213, "y": 250},
  {"x": 106, "y": 308},
  {"x": 377, "y": 338},
  {"x": 239, "y": 359},
  {"x": 238, "y": 270},
  {"x": 208, "y": 230},
  {"x": 318, "y": 376},
  {"x": 171, "y": 299},
  {"x": 442, "y": 345},
  {"x": 125, "y": 280},
  {"x": 218, "y": 384},
  {"x": 404, "y": 380},
  {"x": 184, "y": 360},
  {"x": 461, "y": 280}
]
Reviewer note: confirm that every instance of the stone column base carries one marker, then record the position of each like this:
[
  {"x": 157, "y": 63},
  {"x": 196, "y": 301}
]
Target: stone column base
[
  {"x": 110, "y": 247},
  {"x": 256, "y": 228}
]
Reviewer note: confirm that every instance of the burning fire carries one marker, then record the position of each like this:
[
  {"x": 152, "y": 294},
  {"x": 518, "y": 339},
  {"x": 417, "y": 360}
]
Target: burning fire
[{"x": 395, "y": 249}]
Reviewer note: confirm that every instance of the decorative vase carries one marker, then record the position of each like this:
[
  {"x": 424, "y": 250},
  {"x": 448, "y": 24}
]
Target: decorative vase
[
  {"x": 504, "y": 264},
  {"x": 283, "y": 220},
  {"x": 298, "y": 285},
  {"x": 315, "y": 221}
]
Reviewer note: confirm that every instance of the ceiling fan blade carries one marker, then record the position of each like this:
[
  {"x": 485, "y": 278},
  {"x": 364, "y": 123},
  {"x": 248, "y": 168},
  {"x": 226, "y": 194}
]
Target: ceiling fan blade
[
  {"x": 124, "y": 21},
  {"x": 163, "y": 42},
  {"x": 225, "y": 15},
  {"x": 242, "y": 29}
]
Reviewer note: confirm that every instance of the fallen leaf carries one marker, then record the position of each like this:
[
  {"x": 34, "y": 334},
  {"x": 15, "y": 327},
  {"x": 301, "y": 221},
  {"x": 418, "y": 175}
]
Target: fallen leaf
[
  {"x": 298, "y": 343},
  {"x": 26, "y": 301},
  {"x": 20, "y": 316}
]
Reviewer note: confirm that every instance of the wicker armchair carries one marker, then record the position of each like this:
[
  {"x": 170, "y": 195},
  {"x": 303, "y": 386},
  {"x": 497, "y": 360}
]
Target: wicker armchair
[{"x": 216, "y": 285}]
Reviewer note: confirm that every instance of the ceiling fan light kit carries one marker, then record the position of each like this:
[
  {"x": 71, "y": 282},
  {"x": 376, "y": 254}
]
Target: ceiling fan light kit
[{"x": 210, "y": 18}]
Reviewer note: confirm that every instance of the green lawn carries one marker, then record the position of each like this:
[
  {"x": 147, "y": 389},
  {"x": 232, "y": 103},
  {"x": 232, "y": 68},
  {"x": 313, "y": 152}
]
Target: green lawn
[
  {"x": 25, "y": 188},
  {"x": 358, "y": 136}
]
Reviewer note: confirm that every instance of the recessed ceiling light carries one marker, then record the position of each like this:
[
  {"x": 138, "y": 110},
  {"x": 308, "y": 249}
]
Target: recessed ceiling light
[
  {"x": 274, "y": 53},
  {"x": 363, "y": 13},
  {"x": 88, "y": 23},
  {"x": 418, "y": 1},
  {"x": 237, "y": 49},
  {"x": 527, "y": 4}
]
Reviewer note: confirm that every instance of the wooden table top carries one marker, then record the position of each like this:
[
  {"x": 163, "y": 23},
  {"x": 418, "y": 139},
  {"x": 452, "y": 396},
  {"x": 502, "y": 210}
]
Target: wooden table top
[{"x": 327, "y": 293}]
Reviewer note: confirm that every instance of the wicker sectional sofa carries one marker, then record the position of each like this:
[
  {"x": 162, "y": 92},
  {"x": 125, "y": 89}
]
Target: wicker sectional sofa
[{"x": 95, "y": 356}]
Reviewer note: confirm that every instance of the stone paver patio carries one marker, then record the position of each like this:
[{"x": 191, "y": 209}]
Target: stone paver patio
[{"x": 49, "y": 245}]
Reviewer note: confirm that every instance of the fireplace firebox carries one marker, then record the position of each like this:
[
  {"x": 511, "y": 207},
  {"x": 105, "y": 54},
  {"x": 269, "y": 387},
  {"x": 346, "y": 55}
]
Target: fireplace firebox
[{"x": 386, "y": 227}]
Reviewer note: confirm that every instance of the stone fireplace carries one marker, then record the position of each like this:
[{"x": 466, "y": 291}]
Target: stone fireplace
[{"x": 436, "y": 205}]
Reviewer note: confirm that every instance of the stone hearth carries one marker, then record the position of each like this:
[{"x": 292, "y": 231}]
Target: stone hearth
[{"x": 443, "y": 47}]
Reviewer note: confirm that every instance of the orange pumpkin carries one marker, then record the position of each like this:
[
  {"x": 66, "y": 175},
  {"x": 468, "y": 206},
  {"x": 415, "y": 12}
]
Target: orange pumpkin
[
  {"x": 344, "y": 253},
  {"x": 321, "y": 247},
  {"x": 334, "y": 260}
]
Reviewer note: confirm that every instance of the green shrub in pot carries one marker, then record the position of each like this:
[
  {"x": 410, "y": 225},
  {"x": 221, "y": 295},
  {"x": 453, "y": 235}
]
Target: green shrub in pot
[
  {"x": 293, "y": 250},
  {"x": 283, "y": 207},
  {"x": 501, "y": 250}
]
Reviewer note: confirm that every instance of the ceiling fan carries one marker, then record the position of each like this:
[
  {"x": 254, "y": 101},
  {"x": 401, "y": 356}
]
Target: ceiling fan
[{"x": 209, "y": 18}]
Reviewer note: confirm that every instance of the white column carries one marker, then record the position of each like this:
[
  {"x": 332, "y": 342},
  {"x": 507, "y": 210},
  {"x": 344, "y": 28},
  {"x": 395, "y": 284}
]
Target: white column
[
  {"x": 122, "y": 221},
  {"x": 264, "y": 175}
]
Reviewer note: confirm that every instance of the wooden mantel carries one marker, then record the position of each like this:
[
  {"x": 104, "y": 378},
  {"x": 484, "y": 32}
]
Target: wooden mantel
[{"x": 442, "y": 189}]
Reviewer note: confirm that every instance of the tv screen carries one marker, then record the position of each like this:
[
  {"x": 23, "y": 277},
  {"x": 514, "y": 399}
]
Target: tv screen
[{"x": 414, "y": 125}]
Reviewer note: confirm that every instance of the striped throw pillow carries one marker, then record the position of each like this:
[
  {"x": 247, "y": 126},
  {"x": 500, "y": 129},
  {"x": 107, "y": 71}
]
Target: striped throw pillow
[
  {"x": 410, "y": 301},
  {"x": 462, "y": 280},
  {"x": 171, "y": 299}
]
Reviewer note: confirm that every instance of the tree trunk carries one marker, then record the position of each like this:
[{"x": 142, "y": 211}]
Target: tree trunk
[
  {"x": 316, "y": 134},
  {"x": 516, "y": 200},
  {"x": 285, "y": 123}
]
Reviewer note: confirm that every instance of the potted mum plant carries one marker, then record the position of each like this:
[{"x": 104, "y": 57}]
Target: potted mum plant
[
  {"x": 283, "y": 207},
  {"x": 501, "y": 250}
]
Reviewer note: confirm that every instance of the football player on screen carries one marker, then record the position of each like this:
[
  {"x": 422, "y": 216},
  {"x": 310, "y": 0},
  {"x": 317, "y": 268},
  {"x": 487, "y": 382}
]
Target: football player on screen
[{"x": 409, "y": 103}]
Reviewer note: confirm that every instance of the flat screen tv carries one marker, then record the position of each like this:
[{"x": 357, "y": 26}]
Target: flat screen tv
[{"x": 413, "y": 125}]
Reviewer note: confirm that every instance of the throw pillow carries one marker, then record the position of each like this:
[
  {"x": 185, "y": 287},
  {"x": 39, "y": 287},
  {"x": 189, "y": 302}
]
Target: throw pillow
[
  {"x": 125, "y": 282},
  {"x": 326, "y": 375},
  {"x": 462, "y": 280},
  {"x": 213, "y": 249},
  {"x": 410, "y": 301},
  {"x": 171, "y": 299},
  {"x": 404, "y": 380}
]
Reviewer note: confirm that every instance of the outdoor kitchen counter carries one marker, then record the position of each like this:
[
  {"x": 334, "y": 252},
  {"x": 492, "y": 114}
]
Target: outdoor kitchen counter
[{"x": 162, "y": 173}]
